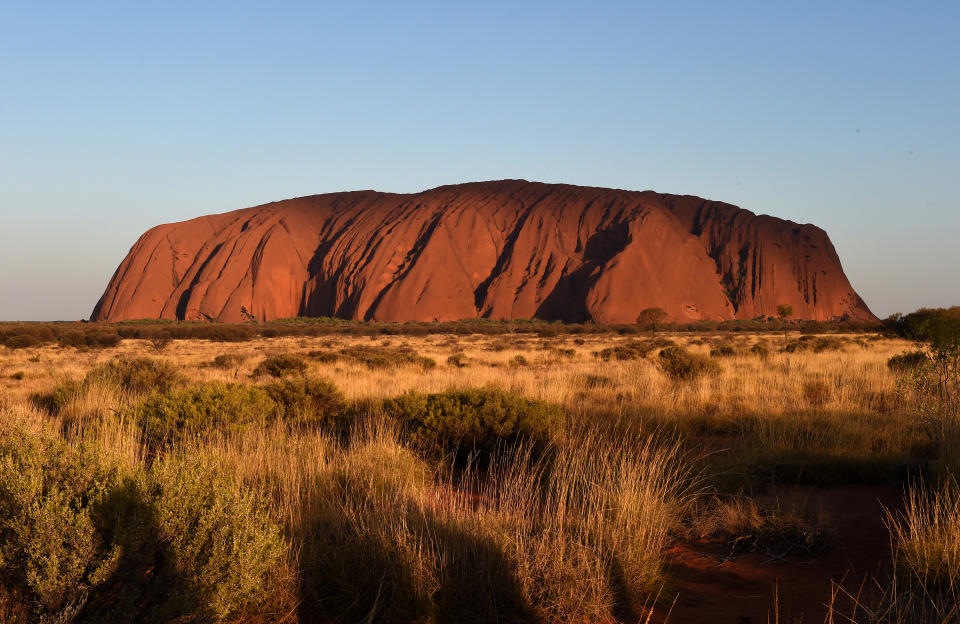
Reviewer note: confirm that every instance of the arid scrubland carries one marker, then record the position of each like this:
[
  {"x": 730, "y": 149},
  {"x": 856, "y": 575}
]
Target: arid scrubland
[{"x": 456, "y": 478}]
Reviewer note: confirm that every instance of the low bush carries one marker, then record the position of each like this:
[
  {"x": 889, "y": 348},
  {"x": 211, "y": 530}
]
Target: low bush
[
  {"x": 160, "y": 340},
  {"x": 457, "y": 360},
  {"x": 308, "y": 401},
  {"x": 51, "y": 496},
  {"x": 518, "y": 360},
  {"x": 210, "y": 407},
  {"x": 323, "y": 357},
  {"x": 139, "y": 375},
  {"x": 281, "y": 366},
  {"x": 55, "y": 400},
  {"x": 680, "y": 364},
  {"x": 906, "y": 362},
  {"x": 18, "y": 376},
  {"x": 217, "y": 536},
  {"x": 23, "y": 341},
  {"x": 89, "y": 340},
  {"x": 817, "y": 344},
  {"x": 724, "y": 349},
  {"x": 633, "y": 350},
  {"x": 385, "y": 357},
  {"x": 761, "y": 350},
  {"x": 471, "y": 421},
  {"x": 228, "y": 361}
]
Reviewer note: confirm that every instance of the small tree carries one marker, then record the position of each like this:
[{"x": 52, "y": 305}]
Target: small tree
[
  {"x": 784, "y": 312},
  {"x": 650, "y": 318}
]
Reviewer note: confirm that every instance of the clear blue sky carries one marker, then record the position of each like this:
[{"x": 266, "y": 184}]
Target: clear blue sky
[{"x": 117, "y": 116}]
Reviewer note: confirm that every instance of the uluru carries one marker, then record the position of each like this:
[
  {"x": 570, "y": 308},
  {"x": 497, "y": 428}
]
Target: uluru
[{"x": 506, "y": 249}]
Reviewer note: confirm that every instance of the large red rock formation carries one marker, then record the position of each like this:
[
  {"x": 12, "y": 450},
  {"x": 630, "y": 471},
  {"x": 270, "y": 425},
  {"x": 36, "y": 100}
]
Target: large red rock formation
[{"x": 508, "y": 249}]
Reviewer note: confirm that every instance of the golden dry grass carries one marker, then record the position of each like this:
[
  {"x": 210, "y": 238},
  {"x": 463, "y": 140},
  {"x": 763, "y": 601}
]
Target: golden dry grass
[{"x": 575, "y": 537}]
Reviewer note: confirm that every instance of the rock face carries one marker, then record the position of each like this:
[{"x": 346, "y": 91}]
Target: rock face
[{"x": 507, "y": 249}]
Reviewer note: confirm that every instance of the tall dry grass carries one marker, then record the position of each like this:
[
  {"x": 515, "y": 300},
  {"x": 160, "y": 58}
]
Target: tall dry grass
[{"x": 374, "y": 532}]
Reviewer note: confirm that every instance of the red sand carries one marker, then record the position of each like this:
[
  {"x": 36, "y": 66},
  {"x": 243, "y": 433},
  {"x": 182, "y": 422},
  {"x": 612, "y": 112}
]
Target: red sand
[{"x": 712, "y": 588}]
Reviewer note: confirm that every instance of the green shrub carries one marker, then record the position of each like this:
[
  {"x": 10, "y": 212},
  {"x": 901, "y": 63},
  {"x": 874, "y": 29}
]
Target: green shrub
[
  {"x": 168, "y": 417},
  {"x": 472, "y": 421},
  {"x": 51, "y": 553},
  {"x": 907, "y": 361},
  {"x": 217, "y": 536},
  {"x": 139, "y": 375},
  {"x": 308, "y": 400},
  {"x": 281, "y": 366},
  {"x": 82, "y": 539},
  {"x": 680, "y": 364}
]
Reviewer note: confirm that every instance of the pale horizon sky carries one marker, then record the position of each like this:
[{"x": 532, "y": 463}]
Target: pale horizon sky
[{"x": 115, "y": 117}]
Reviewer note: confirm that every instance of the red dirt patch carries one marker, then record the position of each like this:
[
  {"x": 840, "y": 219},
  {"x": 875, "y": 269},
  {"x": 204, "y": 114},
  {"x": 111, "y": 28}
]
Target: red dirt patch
[{"x": 745, "y": 590}]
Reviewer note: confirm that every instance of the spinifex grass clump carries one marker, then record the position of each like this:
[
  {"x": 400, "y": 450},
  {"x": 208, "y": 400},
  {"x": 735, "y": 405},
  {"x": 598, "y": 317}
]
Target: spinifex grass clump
[{"x": 926, "y": 539}]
